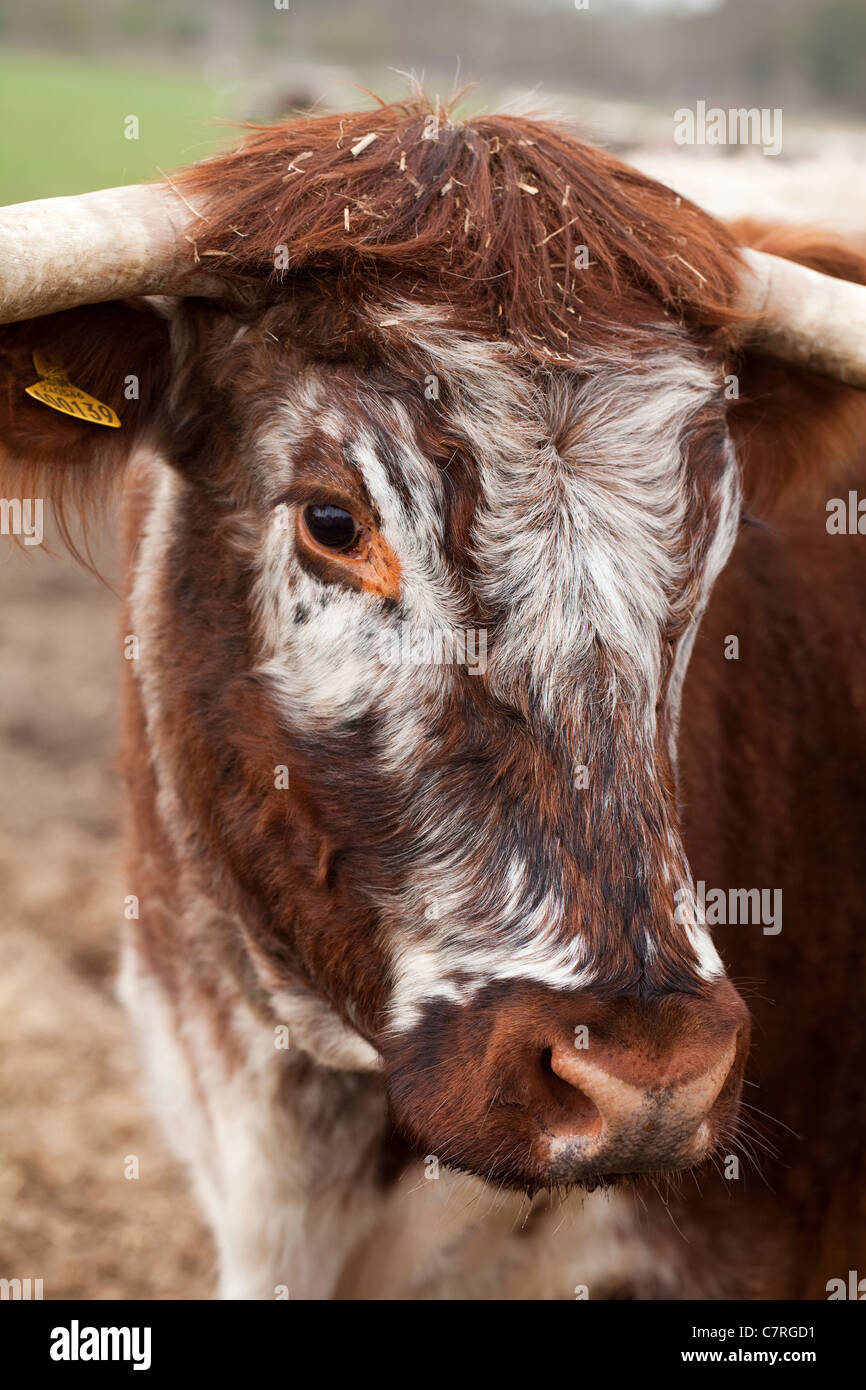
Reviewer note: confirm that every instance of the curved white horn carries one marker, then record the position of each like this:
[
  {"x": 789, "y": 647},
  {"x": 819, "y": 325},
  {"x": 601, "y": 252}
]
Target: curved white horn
[
  {"x": 806, "y": 318},
  {"x": 58, "y": 253}
]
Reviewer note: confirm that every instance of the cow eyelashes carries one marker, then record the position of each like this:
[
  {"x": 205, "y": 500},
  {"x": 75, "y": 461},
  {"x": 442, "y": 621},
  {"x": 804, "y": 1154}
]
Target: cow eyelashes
[{"x": 331, "y": 527}]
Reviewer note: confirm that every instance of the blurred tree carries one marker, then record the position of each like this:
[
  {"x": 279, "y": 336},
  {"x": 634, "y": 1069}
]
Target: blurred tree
[
  {"x": 791, "y": 53},
  {"x": 836, "y": 51}
]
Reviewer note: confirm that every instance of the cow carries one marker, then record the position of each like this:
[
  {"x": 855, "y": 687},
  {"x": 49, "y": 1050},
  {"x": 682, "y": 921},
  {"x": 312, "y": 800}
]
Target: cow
[{"x": 445, "y": 447}]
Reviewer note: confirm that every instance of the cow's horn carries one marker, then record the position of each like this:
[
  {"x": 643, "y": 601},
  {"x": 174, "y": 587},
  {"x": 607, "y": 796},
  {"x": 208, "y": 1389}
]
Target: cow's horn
[
  {"x": 804, "y": 317},
  {"x": 58, "y": 253}
]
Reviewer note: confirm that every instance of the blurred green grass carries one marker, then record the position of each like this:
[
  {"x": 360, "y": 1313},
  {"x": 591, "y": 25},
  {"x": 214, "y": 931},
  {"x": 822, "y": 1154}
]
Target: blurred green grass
[{"x": 62, "y": 123}]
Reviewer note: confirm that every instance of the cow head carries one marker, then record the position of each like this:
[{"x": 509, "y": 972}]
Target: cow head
[{"x": 446, "y": 476}]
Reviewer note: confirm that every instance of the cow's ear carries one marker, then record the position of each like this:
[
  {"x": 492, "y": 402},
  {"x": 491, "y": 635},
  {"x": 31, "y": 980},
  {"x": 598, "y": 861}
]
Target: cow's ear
[
  {"x": 104, "y": 362},
  {"x": 796, "y": 433}
]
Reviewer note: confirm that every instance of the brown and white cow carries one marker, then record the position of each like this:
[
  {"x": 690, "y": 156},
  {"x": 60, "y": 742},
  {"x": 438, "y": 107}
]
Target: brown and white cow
[{"x": 406, "y": 387}]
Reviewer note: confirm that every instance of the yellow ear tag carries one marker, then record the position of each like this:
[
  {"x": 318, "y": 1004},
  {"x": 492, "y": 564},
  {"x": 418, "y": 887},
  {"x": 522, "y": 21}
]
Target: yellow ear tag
[{"x": 57, "y": 392}]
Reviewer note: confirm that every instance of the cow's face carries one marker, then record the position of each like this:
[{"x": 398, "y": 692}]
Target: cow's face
[{"x": 471, "y": 595}]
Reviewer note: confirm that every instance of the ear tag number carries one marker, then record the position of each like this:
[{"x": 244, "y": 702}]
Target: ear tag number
[{"x": 57, "y": 392}]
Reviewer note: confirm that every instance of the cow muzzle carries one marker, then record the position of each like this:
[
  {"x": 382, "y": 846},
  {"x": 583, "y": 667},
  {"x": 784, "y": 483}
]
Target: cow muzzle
[
  {"x": 665, "y": 1116},
  {"x": 530, "y": 1087}
]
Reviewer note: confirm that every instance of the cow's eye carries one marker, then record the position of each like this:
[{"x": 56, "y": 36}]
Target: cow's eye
[{"x": 331, "y": 527}]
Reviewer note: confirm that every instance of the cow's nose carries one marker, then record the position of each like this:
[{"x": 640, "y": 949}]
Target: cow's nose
[
  {"x": 532, "y": 1086},
  {"x": 624, "y": 1114}
]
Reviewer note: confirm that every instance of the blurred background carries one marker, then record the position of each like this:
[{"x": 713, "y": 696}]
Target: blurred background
[
  {"x": 71, "y": 71},
  {"x": 72, "y": 74}
]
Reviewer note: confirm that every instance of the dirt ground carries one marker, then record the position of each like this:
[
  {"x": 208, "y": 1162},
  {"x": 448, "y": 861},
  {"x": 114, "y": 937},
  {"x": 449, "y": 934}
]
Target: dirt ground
[{"x": 71, "y": 1108}]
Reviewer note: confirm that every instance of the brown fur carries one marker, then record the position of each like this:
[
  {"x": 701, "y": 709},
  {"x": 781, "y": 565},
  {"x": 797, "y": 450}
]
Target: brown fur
[{"x": 484, "y": 217}]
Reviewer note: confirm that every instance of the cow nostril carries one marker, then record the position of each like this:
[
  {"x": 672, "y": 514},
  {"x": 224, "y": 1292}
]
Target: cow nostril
[
  {"x": 657, "y": 1116},
  {"x": 584, "y": 1116}
]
